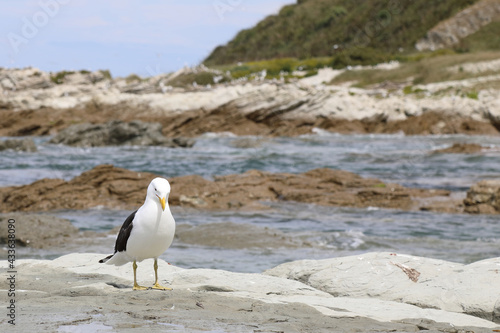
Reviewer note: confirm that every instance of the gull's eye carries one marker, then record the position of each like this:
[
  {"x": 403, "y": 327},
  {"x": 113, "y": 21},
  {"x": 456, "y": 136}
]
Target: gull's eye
[{"x": 156, "y": 189}]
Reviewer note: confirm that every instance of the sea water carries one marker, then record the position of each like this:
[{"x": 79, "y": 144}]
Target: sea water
[{"x": 333, "y": 231}]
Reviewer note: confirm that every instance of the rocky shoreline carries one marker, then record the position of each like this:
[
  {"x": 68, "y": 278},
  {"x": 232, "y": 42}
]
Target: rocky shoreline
[
  {"x": 117, "y": 188},
  {"x": 372, "y": 292},
  {"x": 195, "y": 123},
  {"x": 369, "y": 292},
  {"x": 33, "y": 104},
  {"x": 106, "y": 186}
]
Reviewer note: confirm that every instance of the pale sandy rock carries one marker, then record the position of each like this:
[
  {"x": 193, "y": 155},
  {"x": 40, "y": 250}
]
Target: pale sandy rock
[
  {"x": 393, "y": 64},
  {"x": 245, "y": 298},
  {"x": 305, "y": 100},
  {"x": 12, "y": 80},
  {"x": 83, "y": 78},
  {"x": 493, "y": 111},
  {"x": 466, "y": 83},
  {"x": 439, "y": 284},
  {"x": 325, "y": 75},
  {"x": 477, "y": 67}
]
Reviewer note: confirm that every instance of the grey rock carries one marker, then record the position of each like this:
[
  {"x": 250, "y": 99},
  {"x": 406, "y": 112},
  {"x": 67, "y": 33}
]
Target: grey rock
[
  {"x": 447, "y": 286},
  {"x": 26, "y": 144},
  {"x": 184, "y": 142},
  {"x": 113, "y": 133},
  {"x": 217, "y": 300}
]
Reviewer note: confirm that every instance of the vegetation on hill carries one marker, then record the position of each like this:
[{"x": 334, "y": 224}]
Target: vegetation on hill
[
  {"x": 487, "y": 38},
  {"x": 428, "y": 68},
  {"x": 353, "y": 32}
]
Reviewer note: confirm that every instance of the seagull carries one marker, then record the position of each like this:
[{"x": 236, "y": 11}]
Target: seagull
[{"x": 146, "y": 233}]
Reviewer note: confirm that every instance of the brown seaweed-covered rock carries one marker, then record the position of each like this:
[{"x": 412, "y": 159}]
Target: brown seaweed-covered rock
[
  {"x": 104, "y": 185},
  {"x": 192, "y": 123},
  {"x": 320, "y": 186},
  {"x": 483, "y": 198},
  {"x": 461, "y": 148},
  {"x": 108, "y": 186}
]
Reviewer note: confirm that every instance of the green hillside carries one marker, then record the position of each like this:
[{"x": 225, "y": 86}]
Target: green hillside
[
  {"x": 487, "y": 38},
  {"x": 324, "y": 28}
]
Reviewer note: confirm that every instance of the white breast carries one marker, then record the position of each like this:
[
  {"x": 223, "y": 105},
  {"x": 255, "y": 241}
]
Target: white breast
[{"x": 152, "y": 232}]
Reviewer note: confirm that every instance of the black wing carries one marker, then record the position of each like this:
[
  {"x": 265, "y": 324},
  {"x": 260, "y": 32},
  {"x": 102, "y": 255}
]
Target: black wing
[{"x": 123, "y": 235}]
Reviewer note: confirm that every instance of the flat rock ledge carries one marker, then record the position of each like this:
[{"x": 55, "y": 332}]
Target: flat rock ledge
[
  {"x": 75, "y": 292},
  {"x": 108, "y": 186},
  {"x": 426, "y": 283}
]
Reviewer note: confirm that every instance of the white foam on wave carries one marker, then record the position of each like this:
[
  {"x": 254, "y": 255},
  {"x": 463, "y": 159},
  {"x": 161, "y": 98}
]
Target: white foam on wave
[
  {"x": 321, "y": 132},
  {"x": 210, "y": 135}
]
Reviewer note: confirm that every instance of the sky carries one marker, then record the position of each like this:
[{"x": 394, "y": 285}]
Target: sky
[{"x": 146, "y": 38}]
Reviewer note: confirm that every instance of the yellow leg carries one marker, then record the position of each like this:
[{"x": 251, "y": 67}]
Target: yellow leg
[
  {"x": 157, "y": 285},
  {"x": 136, "y": 286}
]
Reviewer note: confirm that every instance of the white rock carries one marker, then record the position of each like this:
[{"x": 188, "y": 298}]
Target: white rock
[
  {"x": 30, "y": 89},
  {"x": 357, "y": 286},
  {"x": 477, "y": 67},
  {"x": 441, "y": 285}
]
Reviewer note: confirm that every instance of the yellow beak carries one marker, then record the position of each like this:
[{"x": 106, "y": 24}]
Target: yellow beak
[{"x": 163, "y": 202}]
